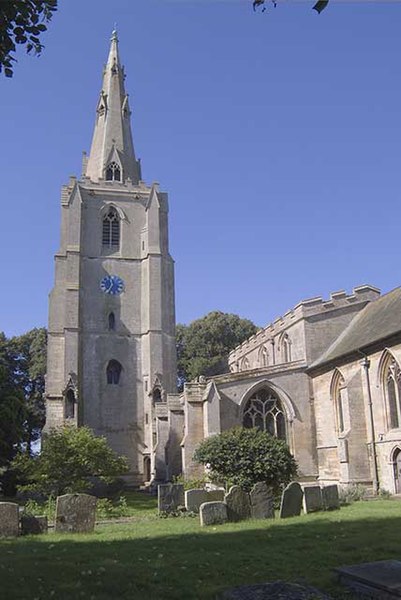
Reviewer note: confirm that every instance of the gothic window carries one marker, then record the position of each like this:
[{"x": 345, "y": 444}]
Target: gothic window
[
  {"x": 245, "y": 366},
  {"x": 111, "y": 230},
  {"x": 339, "y": 396},
  {"x": 113, "y": 372},
  {"x": 113, "y": 172},
  {"x": 263, "y": 357},
  {"x": 285, "y": 345},
  {"x": 112, "y": 322},
  {"x": 156, "y": 395},
  {"x": 69, "y": 405},
  {"x": 264, "y": 411},
  {"x": 392, "y": 391}
]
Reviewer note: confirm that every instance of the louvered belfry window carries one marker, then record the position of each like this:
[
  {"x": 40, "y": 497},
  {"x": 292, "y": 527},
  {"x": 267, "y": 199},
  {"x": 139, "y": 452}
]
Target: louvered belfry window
[
  {"x": 113, "y": 172},
  {"x": 111, "y": 230}
]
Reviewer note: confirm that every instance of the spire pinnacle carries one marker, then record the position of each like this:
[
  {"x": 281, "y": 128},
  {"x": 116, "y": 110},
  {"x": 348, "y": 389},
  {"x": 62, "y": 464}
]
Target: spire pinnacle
[{"x": 112, "y": 144}]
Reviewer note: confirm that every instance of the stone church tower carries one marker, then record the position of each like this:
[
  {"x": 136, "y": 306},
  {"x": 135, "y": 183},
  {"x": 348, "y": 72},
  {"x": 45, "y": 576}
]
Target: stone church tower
[{"x": 111, "y": 348}]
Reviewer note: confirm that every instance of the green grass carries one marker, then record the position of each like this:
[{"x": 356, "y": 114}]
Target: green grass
[{"x": 154, "y": 558}]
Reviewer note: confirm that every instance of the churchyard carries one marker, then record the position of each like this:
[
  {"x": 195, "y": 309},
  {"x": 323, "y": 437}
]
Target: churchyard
[{"x": 151, "y": 556}]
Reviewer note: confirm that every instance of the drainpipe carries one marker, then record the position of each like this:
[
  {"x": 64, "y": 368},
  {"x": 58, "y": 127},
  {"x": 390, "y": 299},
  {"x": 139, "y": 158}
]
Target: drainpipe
[{"x": 366, "y": 364}]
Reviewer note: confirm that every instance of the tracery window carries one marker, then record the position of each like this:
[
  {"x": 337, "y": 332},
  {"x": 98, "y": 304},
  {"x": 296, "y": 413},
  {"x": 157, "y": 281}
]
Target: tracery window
[
  {"x": 392, "y": 392},
  {"x": 113, "y": 172},
  {"x": 69, "y": 405},
  {"x": 111, "y": 230},
  {"x": 113, "y": 372},
  {"x": 264, "y": 411}
]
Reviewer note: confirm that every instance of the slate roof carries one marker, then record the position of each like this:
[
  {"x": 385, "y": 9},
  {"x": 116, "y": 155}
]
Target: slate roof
[{"x": 379, "y": 319}]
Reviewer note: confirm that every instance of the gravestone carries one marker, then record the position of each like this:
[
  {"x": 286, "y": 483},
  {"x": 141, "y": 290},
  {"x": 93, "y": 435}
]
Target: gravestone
[
  {"x": 262, "y": 501},
  {"x": 212, "y": 513},
  {"x": 277, "y": 590},
  {"x": 215, "y": 495},
  {"x": 379, "y": 580},
  {"x": 9, "y": 526},
  {"x": 75, "y": 513},
  {"x": 313, "y": 500},
  {"x": 238, "y": 504},
  {"x": 194, "y": 498},
  {"x": 170, "y": 497},
  {"x": 291, "y": 501},
  {"x": 31, "y": 525},
  {"x": 330, "y": 497}
]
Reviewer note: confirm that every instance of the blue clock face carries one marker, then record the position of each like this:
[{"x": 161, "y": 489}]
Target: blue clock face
[{"x": 112, "y": 284}]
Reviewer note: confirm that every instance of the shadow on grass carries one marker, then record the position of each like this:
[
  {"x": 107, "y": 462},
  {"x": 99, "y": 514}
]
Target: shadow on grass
[{"x": 155, "y": 562}]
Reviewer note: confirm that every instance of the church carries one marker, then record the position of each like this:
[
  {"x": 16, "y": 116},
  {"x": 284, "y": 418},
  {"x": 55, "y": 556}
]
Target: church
[{"x": 325, "y": 377}]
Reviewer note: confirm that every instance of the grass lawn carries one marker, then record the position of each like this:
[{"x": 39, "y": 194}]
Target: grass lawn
[{"x": 154, "y": 558}]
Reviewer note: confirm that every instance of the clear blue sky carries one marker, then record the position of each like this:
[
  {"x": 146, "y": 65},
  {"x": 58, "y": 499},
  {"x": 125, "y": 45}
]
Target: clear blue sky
[{"x": 277, "y": 136}]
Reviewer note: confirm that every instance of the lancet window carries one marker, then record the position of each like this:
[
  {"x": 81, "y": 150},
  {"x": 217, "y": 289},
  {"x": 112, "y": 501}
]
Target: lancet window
[
  {"x": 112, "y": 321},
  {"x": 264, "y": 410},
  {"x": 339, "y": 395},
  {"x": 392, "y": 391},
  {"x": 113, "y": 372},
  {"x": 70, "y": 404},
  {"x": 113, "y": 172},
  {"x": 111, "y": 230}
]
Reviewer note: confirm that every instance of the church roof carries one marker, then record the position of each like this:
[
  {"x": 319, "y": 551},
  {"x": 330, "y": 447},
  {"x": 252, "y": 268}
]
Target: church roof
[{"x": 379, "y": 320}]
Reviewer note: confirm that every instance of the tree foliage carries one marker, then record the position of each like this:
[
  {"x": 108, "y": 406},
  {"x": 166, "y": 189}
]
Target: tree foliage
[
  {"x": 203, "y": 345},
  {"x": 318, "y": 6},
  {"x": 69, "y": 458},
  {"x": 22, "y": 22},
  {"x": 243, "y": 457}
]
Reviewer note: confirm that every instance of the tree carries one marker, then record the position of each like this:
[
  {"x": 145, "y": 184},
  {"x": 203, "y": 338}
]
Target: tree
[
  {"x": 319, "y": 6},
  {"x": 243, "y": 457},
  {"x": 29, "y": 358},
  {"x": 22, "y": 22},
  {"x": 69, "y": 458},
  {"x": 203, "y": 345}
]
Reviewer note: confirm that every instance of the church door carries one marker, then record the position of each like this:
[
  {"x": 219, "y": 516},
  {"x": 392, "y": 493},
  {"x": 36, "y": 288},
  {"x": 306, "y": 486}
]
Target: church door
[{"x": 397, "y": 470}]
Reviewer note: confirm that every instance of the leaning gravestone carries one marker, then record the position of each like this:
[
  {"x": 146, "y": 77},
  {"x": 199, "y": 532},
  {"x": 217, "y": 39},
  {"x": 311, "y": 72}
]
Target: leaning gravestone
[
  {"x": 238, "y": 504},
  {"x": 212, "y": 513},
  {"x": 75, "y": 513},
  {"x": 331, "y": 500},
  {"x": 31, "y": 525},
  {"x": 9, "y": 526},
  {"x": 170, "y": 497},
  {"x": 291, "y": 501},
  {"x": 194, "y": 498},
  {"x": 313, "y": 500},
  {"x": 262, "y": 501}
]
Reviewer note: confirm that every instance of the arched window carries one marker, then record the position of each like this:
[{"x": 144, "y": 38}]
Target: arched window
[
  {"x": 112, "y": 321},
  {"x": 245, "y": 366},
  {"x": 263, "y": 357},
  {"x": 113, "y": 372},
  {"x": 70, "y": 404},
  {"x": 285, "y": 347},
  {"x": 113, "y": 172},
  {"x": 111, "y": 230},
  {"x": 391, "y": 379},
  {"x": 157, "y": 395},
  {"x": 339, "y": 396},
  {"x": 264, "y": 411}
]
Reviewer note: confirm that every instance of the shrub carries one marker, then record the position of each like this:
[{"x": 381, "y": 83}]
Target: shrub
[
  {"x": 70, "y": 457},
  {"x": 352, "y": 493},
  {"x": 245, "y": 456}
]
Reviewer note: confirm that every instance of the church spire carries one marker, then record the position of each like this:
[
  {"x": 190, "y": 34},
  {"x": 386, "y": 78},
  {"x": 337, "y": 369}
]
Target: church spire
[{"x": 112, "y": 155}]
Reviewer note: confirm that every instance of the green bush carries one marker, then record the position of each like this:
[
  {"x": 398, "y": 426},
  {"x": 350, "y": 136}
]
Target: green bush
[
  {"x": 352, "y": 493},
  {"x": 70, "y": 457},
  {"x": 107, "y": 509},
  {"x": 245, "y": 456}
]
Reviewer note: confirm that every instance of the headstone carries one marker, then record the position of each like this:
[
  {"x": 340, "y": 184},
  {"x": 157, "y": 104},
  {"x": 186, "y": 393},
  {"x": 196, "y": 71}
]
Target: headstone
[
  {"x": 170, "y": 497},
  {"x": 213, "y": 513},
  {"x": 9, "y": 525},
  {"x": 194, "y": 498},
  {"x": 238, "y": 504},
  {"x": 215, "y": 495},
  {"x": 75, "y": 513},
  {"x": 262, "y": 501},
  {"x": 313, "y": 500},
  {"x": 330, "y": 497},
  {"x": 291, "y": 501},
  {"x": 278, "y": 590},
  {"x": 31, "y": 525},
  {"x": 380, "y": 580}
]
